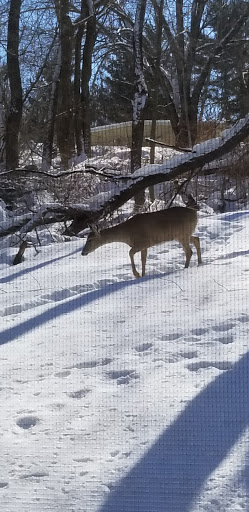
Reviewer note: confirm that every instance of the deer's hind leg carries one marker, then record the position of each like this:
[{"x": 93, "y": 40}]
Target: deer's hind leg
[
  {"x": 134, "y": 270},
  {"x": 188, "y": 251},
  {"x": 196, "y": 241}
]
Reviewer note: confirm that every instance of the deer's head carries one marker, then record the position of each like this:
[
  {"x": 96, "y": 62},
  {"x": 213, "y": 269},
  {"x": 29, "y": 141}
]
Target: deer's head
[{"x": 93, "y": 241}]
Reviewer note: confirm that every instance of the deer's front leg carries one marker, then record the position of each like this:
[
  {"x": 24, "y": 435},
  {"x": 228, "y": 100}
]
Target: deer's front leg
[{"x": 134, "y": 270}]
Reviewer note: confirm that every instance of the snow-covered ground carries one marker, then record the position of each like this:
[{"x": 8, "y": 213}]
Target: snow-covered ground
[{"x": 125, "y": 395}]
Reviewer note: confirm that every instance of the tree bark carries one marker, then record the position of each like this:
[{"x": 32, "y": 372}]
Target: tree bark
[
  {"x": 140, "y": 97},
  {"x": 14, "y": 116},
  {"x": 86, "y": 74},
  {"x": 155, "y": 91},
  {"x": 77, "y": 101},
  {"x": 48, "y": 139},
  {"x": 64, "y": 122}
]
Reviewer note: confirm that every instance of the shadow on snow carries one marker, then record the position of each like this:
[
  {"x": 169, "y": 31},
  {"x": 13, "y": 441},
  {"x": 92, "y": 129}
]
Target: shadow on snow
[
  {"x": 65, "y": 307},
  {"x": 28, "y": 270},
  {"x": 170, "y": 476}
]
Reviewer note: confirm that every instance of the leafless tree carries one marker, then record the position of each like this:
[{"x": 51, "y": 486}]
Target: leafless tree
[
  {"x": 14, "y": 115},
  {"x": 140, "y": 96},
  {"x": 188, "y": 45},
  {"x": 125, "y": 187},
  {"x": 64, "y": 120}
]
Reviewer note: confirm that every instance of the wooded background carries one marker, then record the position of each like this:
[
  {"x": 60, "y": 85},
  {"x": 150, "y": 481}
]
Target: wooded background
[
  {"x": 79, "y": 75},
  {"x": 67, "y": 66}
]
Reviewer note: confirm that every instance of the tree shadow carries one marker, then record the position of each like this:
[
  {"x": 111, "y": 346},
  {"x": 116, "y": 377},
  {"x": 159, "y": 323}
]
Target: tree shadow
[
  {"x": 28, "y": 270},
  {"x": 67, "y": 306},
  {"x": 234, "y": 254},
  {"x": 234, "y": 216},
  {"x": 169, "y": 477}
]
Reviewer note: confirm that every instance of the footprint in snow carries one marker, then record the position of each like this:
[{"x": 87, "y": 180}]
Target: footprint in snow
[
  {"x": 83, "y": 459},
  {"x": 57, "y": 295},
  {"x": 143, "y": 347},
  {"x": 226, "y": 339},
  {"x": 123, "y": 376},
  {"x": 223, "y": 327},
  {"x": 3, "y": 484},
  {"x": 63, "y": 374},
  {"x": 105, "y": 282},
  {"x": 171, "y": 337},
  {"x": 19, "y": 308},
  {"x": 93, "y": 363},
  {"x": 27, "y": 422},
  {"x": 81, "y": 288},
  {"x": 189, "y": 354},
  {"x": 176, "y": 358},
  {"x": 83, "y": 473},
  {"x": 243, "y": 318},
  {"x": 34, "y": 474},
  {"x": 57, "y": 406},
  {"x": 219, "y": 365},
  {"x": 200, "y": 331},
  {"x": 80, "y": 393},
  {"x": 114, "y": 453}
]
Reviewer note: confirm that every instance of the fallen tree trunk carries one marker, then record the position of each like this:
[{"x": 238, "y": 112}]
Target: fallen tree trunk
[
  {"x": 174, "y": 168},
  {"x": 103, "y": 204}
]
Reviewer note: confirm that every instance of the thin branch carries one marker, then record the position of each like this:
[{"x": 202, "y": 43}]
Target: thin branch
[
  {"x": 80, "y": 22},
  {"x": 176, "y": 148},
  {"x": 39, "y": 74},
  {"x": 108, "y": 202},
  {"x": 180, "y": 187},
  {"x": 63, "y": 174},
  {"x": 218, "y": 48}
]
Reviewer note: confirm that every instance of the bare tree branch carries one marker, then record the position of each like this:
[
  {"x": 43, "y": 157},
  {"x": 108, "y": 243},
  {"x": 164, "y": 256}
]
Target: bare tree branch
[
  {"x": 63, "y": 174},
  {"x": 103, "y": 204}
]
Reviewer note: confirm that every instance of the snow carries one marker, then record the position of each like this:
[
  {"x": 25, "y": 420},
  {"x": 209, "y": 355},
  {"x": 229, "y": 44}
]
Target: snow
[
  {"x": 127, "y": 395},
  {"x": 204, "y": 148}
]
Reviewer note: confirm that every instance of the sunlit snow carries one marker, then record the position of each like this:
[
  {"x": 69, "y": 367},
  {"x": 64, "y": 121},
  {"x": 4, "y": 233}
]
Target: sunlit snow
[{"x": 126, "y": 395}]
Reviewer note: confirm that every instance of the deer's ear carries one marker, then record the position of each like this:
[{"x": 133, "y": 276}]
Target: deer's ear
[{"x": 94, "y": 228}]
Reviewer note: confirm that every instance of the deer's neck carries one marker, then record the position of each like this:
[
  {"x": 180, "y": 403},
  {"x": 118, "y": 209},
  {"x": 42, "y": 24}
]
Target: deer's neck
[{"x": 114, "y": 234}]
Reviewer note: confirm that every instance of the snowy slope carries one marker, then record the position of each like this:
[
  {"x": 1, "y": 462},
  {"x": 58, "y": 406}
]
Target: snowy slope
[{"x": 127, "y": 395}]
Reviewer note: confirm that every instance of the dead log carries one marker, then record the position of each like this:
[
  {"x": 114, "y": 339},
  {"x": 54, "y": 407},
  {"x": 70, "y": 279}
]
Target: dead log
[{"x": 19, "y": 255}]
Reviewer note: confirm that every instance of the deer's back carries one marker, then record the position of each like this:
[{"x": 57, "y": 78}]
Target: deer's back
[{"x": 149, "y": 229}]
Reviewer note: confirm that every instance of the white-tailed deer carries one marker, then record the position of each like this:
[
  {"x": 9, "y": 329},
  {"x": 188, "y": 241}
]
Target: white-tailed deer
[{"x": 147, "y": 229}]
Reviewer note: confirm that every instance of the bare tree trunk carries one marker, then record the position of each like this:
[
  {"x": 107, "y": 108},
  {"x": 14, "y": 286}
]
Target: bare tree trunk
[
  {"x": 155, "y": 92},
  {"x": 86, "y": 76},
  {"x": 64, "y": 121},
  {"x": 2, "y": 127},
  {"x": 49, "y": 135},
  {"x": 187, "y": 128},
  {"x": 14, "y": 116},
  {"x": 140, "y": 97},
  {"x": 184, "y": 50},
  {"x": 77, "y": 100}
]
